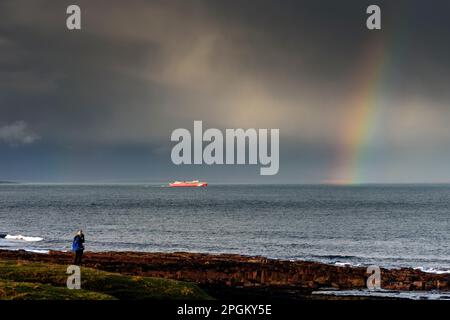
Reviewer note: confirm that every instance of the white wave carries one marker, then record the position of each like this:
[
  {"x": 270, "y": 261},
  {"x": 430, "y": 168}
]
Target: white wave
[
  {"x": 426, "y": 270},
  {"x": 410, "y": 295},
  {"x": 23, "y": 238},
  {"x": 432, "y": 270},
  {"x": 347, "y": 264},
  {"x": 38, "y": 251}
]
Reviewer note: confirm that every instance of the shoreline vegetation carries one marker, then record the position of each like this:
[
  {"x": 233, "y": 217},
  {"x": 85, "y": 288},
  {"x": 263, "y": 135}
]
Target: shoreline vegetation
[
  {"x": 198, "y": 276},
  {"x": 26, "y": 280}
]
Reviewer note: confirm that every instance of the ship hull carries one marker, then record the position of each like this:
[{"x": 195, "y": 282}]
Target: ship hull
[{"x": 188, "y": 185}]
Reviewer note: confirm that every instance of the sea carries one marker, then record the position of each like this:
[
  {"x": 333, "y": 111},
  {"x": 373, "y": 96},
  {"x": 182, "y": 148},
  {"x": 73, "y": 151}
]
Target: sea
[{"x": 391, "y": 226}]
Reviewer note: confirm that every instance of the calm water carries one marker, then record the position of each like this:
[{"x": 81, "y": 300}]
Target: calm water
[{"x": 390, "y": 226}]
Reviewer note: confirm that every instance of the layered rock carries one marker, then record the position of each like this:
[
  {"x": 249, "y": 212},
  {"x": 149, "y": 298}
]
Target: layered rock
[{"x": 243, "y": 272}]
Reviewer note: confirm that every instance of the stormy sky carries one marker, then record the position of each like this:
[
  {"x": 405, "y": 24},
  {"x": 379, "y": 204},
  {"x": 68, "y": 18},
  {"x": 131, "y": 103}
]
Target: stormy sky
[{"x": 99, "y": 105}]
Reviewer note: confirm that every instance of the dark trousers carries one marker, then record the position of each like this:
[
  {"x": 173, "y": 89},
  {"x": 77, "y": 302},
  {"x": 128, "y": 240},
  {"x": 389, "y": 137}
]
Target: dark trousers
[{"x": 78, "y": 256}]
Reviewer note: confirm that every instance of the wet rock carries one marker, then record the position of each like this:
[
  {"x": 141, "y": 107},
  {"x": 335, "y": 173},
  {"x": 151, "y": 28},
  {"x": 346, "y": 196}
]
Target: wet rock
[{"x": 236, "y": 271}]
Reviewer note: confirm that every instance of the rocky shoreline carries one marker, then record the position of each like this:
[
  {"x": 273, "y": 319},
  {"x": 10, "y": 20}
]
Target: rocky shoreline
[{"x": 235, "y": 276}]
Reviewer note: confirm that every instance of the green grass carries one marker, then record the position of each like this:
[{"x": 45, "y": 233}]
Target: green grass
[
  {"x": 10, "y": 290},
  {"x": 30, "y": 280}
]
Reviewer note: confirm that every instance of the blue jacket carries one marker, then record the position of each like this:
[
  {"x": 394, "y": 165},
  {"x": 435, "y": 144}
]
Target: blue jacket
[{"x": 77, "y": 243}]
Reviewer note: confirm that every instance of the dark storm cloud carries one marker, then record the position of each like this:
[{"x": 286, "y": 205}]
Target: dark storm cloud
[{"x": 136, "y": 71}]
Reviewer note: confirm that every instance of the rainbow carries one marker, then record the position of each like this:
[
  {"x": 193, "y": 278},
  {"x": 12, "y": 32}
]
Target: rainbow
[{"x": 359, "y": 124}]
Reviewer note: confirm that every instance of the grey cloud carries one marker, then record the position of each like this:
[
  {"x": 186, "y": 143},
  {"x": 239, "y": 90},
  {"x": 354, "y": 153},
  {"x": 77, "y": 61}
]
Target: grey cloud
[
  {"x": 140, "y": 69},
  {"x": 17, "y": 133}
]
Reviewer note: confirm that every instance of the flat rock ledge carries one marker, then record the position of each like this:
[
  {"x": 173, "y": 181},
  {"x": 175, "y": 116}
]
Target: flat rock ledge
[{"x": 231, "y": 275}]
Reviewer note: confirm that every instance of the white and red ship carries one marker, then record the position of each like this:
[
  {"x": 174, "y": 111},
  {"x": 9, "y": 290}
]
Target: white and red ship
[{"x": 194, "y": 183}]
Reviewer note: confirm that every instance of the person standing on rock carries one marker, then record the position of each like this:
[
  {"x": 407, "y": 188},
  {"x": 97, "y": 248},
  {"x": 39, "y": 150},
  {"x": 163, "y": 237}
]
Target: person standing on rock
[{"x": 78, "y": 247}]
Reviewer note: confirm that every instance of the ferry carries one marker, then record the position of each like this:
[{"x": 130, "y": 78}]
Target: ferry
[{"x": 194, "y": 183}]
